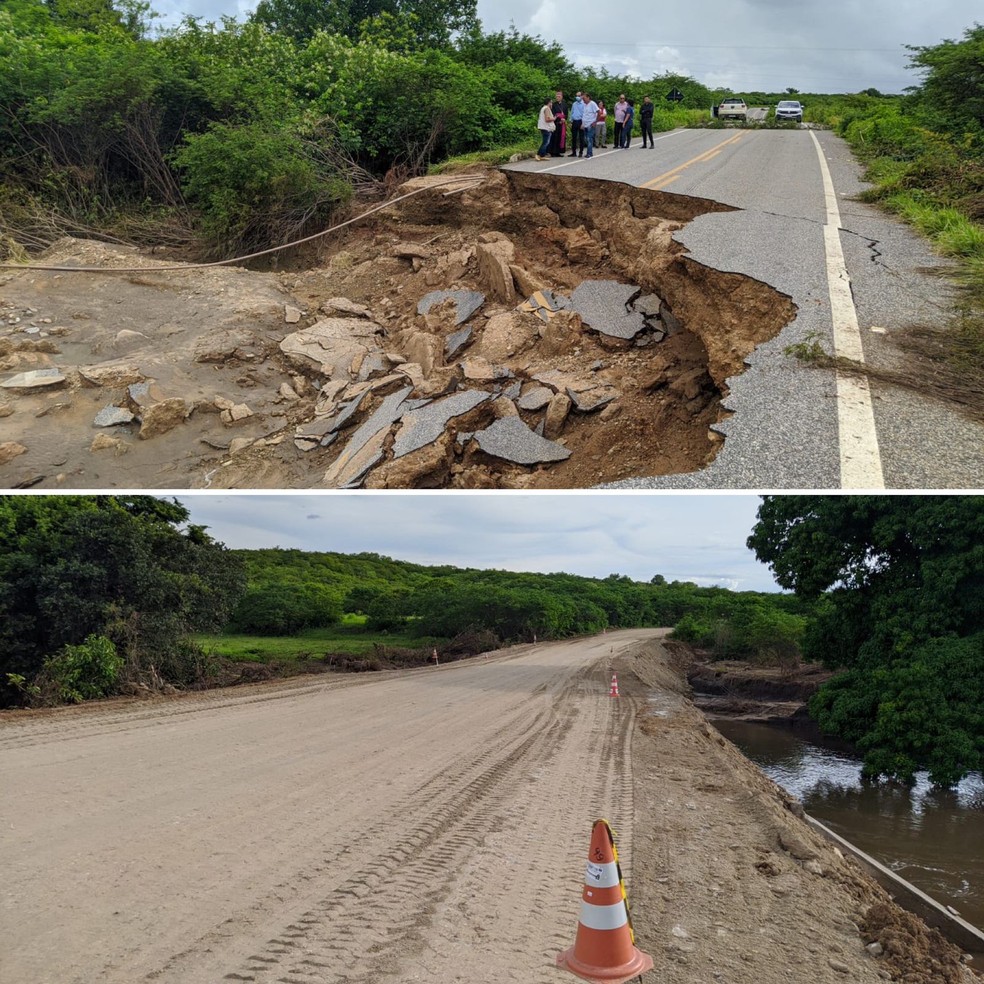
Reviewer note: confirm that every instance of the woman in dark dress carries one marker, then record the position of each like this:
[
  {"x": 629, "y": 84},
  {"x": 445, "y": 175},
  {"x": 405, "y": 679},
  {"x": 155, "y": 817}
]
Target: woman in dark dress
[{"x": 558, "y": 143}]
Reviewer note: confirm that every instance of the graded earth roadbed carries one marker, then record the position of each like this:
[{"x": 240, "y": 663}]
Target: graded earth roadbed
[{"x": 426, "y": 825}]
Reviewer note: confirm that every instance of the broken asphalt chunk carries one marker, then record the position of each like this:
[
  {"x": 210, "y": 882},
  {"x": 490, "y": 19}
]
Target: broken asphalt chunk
[
  {"x": 603, "y": 306},
  {"x": 456, "y": 341},
  {"x": 34, "y": 378},
  {"x": 424, "y": 426},
  {"x": 510, "y": 439},
  {"x": 536, "y": 398},
  {"x": 111, "y": 416},
  {"x": 593, "y": 399},
  {"x": 365, "y": 446},
  {"x": 544, "y": 304},
  {"x": 467, "y": 302}
]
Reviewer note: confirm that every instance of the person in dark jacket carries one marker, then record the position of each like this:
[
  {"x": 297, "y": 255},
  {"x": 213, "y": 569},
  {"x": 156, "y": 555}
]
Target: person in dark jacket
[
  {"x": 626, "y": 135},
  {"x": 558, "y": 142},
  {"x": 646, "y": 119}
]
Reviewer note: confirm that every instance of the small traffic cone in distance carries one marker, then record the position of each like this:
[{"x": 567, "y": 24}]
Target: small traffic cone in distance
[
  {"x": 604, "y": 950},
  {"x": 613, "y": 690}
]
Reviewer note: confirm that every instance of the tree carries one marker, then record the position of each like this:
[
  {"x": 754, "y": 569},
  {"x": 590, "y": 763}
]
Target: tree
[
  {"x": 953, "y": 84},
  {"x": 119, "y": 567},
  {"x": 434, "y": 20},
  {"x": 901, "y": 583}
]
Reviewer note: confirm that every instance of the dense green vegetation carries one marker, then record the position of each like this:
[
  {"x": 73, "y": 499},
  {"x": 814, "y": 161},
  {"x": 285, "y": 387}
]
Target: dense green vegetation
[
  {"x": 98, "y": 592},
  {"x": 250, "y": 132},
  {"x": 293, "y": 590},
  {"x": 95, "y": 589},
  {"x": 925, "y": 154},
  {"x": 899, "y": 583}
]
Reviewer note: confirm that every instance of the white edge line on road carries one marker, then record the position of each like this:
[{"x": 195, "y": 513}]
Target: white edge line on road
[{"x": 860, "y": 458}]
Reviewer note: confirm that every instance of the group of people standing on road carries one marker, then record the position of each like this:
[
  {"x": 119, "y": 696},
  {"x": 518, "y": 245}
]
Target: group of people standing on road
[{"x": 578, "y": 129}]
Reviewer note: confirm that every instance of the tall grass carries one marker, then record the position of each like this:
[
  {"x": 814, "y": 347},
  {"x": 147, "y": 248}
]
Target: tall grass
[
  {"x": 931, "y": 179},
  {"x": 349, "y": 639}
]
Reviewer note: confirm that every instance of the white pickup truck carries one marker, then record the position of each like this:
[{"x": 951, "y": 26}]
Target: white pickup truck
[{"x": 732, "y": 108}]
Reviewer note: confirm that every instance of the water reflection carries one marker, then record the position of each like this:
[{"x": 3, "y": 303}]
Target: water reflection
[{"x": 931, "y": 837}]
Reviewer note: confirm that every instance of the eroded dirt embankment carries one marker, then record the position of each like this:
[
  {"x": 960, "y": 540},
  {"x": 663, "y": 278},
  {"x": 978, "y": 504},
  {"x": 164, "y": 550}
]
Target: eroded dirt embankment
[
  {"x": 743, "y": 691},
  {"x": 352, "y": 373},
  {"x": 732, "y": 883}
]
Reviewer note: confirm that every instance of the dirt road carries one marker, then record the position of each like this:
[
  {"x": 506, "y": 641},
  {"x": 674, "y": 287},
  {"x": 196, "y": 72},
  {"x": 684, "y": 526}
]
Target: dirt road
[{"x": 428, "y": 825}]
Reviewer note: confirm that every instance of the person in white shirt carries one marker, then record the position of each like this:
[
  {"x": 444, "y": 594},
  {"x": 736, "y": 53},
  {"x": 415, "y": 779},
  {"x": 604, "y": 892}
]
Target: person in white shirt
[
  {"x": 588, "y": 119},
  {"x": 620, "y": 107},
  {"x": 546, "y": 125}
]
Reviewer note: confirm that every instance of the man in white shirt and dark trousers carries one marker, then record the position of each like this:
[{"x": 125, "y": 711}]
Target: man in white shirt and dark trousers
[{"x": 589, "y": 117}]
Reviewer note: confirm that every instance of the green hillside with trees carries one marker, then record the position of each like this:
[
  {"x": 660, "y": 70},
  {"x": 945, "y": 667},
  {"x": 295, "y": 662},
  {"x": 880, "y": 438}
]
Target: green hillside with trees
[
  {"x": 97, "y": 592},
  {"x": 291, "y": 591},
  {"x": 101, "y": 594}
]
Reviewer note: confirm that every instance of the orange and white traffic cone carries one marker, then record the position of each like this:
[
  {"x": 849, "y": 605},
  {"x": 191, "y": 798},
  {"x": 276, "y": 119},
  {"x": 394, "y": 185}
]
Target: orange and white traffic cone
[
  {"x": 613, "y": 690},
  {"x": 604, "y": 950}
]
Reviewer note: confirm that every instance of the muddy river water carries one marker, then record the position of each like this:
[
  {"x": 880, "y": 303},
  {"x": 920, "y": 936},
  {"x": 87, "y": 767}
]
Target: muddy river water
[{"x": 932, "y": 838}]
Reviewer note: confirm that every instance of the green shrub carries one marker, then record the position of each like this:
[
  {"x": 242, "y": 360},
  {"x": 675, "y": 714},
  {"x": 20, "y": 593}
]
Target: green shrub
[
  {"x": 83, "y": 672},
  {"x": 255, "y": 184}
]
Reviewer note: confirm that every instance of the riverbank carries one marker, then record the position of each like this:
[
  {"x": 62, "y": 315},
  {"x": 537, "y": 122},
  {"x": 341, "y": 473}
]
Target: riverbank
[
  {"x": 745, "y": 692},
  {"x": 729, "y": 883}
]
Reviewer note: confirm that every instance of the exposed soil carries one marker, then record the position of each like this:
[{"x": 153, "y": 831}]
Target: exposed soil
[
  {"x": 229, "y": 406},
  {"x": 422, "y": 825},
  {"x": 743, "y": 691}
]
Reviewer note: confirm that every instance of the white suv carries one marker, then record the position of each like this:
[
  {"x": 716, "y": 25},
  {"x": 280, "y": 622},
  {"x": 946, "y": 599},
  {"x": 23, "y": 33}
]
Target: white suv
[{"x": 789, "y": 109}]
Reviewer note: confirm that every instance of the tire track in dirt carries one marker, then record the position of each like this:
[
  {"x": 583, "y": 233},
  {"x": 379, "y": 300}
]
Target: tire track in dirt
[
  {"x": 376, "y": 909},
  {"x": 430, "y": 900},
  {"x": 421, "y": 825},
  {"x": 354, "y": 866}
]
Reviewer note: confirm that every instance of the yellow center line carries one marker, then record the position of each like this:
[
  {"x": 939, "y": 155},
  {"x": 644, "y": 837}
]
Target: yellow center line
[{"x": 665, "y": 179}]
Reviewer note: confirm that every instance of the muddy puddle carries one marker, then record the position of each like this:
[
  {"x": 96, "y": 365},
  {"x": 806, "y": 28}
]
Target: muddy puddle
[{"x": 500, "y": 336}]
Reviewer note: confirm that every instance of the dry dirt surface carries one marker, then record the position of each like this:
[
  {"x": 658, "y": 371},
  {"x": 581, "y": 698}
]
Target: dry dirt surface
[
  {"x": 332, "y": 376},
  {"x": 428, "y": 825}
]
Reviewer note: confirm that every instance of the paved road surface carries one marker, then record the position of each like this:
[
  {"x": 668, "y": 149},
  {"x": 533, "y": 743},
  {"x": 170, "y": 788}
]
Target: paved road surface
[
  {"x": 795, "y": 426},
  {"x": 424, "y": 825}
]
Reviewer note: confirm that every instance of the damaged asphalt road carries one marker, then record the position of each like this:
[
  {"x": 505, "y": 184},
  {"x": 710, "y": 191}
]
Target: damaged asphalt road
[
  {"x": 784, "y": 431},
  {"x": 540, "y": 328}
]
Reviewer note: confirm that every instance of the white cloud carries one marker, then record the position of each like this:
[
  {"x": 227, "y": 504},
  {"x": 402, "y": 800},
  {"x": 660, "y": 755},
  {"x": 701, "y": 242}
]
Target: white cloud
[
  {"x": 694, "y": 537},
  {"x": 751, "y": 45}
]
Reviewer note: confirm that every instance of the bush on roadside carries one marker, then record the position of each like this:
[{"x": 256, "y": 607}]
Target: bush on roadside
[
  {"x": 254, "y": 184},
  {"x": 84, "y": 672}
]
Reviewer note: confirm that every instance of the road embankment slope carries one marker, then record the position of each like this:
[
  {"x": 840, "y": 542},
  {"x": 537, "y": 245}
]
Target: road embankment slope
[{"x": 730, "y": 884}]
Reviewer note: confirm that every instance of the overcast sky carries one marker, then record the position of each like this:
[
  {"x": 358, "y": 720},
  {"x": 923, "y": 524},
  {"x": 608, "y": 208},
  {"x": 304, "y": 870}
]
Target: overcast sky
[
  {"x": 742, "y": 45},
  {"x": 693, "y": 537}
]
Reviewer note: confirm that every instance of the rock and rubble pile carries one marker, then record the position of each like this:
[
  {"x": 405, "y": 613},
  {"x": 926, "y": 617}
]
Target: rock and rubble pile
[{"x": 477, "y": 341}]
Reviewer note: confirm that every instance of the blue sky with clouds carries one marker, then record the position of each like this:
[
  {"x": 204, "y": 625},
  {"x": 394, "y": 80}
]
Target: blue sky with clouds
[
  {"x": 743, "y": 45},
  {"x": 692, "y": 537}
]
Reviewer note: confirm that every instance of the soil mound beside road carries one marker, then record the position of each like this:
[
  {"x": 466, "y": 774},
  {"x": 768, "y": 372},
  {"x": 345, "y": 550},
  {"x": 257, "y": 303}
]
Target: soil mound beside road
[
  {"x": 731, "y": 884},
  {"x": 493, "y": 338}
]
